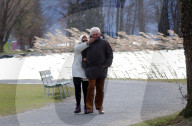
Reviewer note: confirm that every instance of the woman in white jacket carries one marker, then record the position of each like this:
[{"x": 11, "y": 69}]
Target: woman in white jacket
[{"x": 78, "y": 73}]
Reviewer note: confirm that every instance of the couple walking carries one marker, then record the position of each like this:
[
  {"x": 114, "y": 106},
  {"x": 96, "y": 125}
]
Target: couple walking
[{"x": 97, "y": 54}]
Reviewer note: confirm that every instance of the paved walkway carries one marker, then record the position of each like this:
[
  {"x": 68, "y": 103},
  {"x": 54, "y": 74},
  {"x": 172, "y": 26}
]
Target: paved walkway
[{"x": 126, "y": 102}]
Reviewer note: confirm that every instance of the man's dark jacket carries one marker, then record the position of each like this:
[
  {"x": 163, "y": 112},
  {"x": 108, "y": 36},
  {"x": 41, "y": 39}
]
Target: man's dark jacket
[{"x": 99, "y": 57}]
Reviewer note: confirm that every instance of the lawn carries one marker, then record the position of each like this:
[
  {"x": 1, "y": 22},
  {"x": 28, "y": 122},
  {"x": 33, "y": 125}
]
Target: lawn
[
  {"x": 182, "y": 81},
  {"x": 18, "y": 98},
  {"x": 7, "y": 46},
  {"x": 167, "y": 120},
  {"x": 8, "y": 49}
]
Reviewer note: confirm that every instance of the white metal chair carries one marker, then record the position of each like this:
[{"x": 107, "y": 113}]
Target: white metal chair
[
  {"x": 65, "y": 83},
  {"x": 48, "y": 83}
]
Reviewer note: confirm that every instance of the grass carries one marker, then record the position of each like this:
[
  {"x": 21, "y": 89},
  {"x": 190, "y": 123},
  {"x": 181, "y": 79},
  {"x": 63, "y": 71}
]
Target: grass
[
  {"x": 7, "y": 46},
  {"x": 8, "y": 49},
  {"x": 12, "y": 52},
  {"x": 167, "y": 120},
  {"x": 19, "y": 98},
  {"x": 183, "y": 81}
]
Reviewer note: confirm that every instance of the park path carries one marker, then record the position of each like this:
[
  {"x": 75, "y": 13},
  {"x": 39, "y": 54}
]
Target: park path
[{"x": 126, "y": 102}]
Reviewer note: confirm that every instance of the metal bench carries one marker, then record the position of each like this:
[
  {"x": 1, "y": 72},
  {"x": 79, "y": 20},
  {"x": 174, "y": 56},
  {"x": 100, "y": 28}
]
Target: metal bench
[{"x": 48, "y": 83}]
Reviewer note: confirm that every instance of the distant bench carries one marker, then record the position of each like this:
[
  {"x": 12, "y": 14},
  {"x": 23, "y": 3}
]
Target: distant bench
[{"x": 46, "y": 78}]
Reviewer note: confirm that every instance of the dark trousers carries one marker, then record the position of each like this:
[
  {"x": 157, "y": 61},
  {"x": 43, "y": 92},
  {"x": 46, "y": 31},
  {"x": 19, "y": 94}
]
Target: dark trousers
[{"x": 77, "y": 83}]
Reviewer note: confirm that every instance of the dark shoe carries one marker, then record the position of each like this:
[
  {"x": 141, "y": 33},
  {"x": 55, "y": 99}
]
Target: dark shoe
[
  {"x": 101, "y": 111},
  {"x": 77, "y": 109},
  {"x": 89, "y": 111},
  {"x": 85, "y": 111}
]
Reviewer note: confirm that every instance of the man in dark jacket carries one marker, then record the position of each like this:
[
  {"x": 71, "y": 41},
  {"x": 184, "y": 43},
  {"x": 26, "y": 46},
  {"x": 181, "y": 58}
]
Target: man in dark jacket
[{"x": 99, "y": 57}]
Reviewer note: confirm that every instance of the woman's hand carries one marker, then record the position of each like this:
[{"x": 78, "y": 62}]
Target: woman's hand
[
  {"x": 84, "y": 59},
  {"x": 90, "y": 41}
]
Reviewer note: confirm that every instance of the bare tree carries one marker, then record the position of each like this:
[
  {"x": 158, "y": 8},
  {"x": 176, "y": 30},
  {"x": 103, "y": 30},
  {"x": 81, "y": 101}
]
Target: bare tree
[
  {"x": 119, "y": 18},
  {"x": 10, "y": 12},
  {"x": 156, "y": 9},
  {"x": 128, "y": 22},
  {"x": 135, "y": 17},
  {"x": 81, "y": 14},
  {"x": 164, "y": 23},
  {"x": 175, "y": 11},
  {"x": 27, "y": 26},
  {"x": 131, "y": 16},
  {"x": 141, "y": 19},
  {"x": 186, "y": 18}
]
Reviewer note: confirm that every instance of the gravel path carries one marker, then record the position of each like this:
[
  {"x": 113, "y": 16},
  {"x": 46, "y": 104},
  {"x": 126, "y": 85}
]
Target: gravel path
[{"x": 126, "y": 102}]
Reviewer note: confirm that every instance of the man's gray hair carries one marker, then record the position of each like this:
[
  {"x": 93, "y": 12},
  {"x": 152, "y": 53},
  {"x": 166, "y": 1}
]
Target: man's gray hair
[{"x": 95, "y": 29}]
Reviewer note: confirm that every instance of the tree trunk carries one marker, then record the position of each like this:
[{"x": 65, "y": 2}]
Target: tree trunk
[
  {"x": 141, "y": 19},
  {"x": 119, "y": 18},
  {"x": 186, "y": 19},
  {"x": 1, "y": 44},
  {"x": 135, "y": 15},
  {"x": 117, "y": 21},
  {"x": 122, "y": 2},
  {"x": 1, "y": 47},
  {"x": 176, "y": 16},
  {"x": 177, "y": 26},
  {"x": 164, "y": 19}
]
